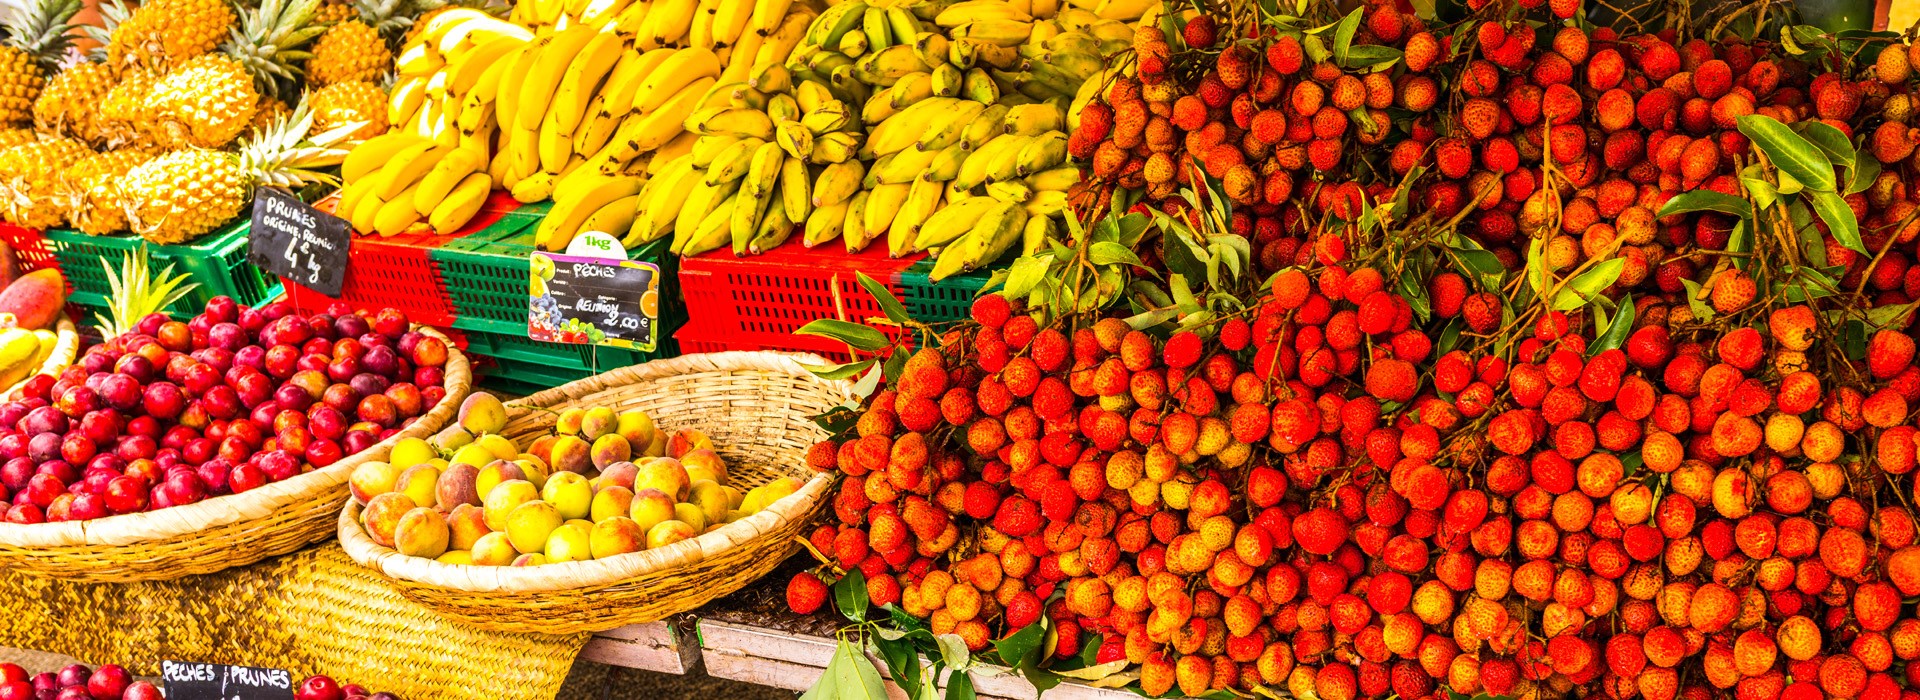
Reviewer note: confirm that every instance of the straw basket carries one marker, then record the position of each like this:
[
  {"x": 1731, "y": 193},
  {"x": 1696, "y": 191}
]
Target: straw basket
[
  {"x": 757, "y": 406},
  {"x": 65, "y": 348},
  {"x": 216, "y": 533}
]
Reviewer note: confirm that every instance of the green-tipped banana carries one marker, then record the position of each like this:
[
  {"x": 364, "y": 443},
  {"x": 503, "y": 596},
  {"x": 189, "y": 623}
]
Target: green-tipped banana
[
  {"x": 1055, "y": 179},
  {"x": 946, "y": 165},
  {"x": 979, "y": 87},
  {"x": 1047, "y": 203},
  {"x": 911, "y": 88},
  {"x": 666, "y": 193},
  {"x": 854, "y": 231},
  {"x": 903, "y": 167},
  {"x": 902, "y": 25},
  {"x": 1009, "y": 191},
  {"x": 980, "y": 165},
  {"x": 837, "y": 147},
  {"x": 932, "y": 48},
  {"x": 757, "y": 190},
  {"x": 1043, "y": 153},
  {"x": 837, "y": 182},
  {"x": 990, "y": 237},
  {"x": 836, "y": 21},
  {"x": 948, "y": 80},
  {"x": 853, "y": 44},
  {"x": 774, "y": 229},
  {"x": 951, "y": 222},
  {"x": 923, "y": 198},
  {"x": 945, "y": 129},
  {"x": 985, "y": 127},
  {"x": 904, "y": 128},
  {"x": 824, "y": 224},
  {"x": 795, "y": 188},
  {"x": 1005, "y": 165},
  {"x": 702, "y": 201},
  {"x": 828, "y": 117},
  {"x": 708, "y": 149},
  {"x": 771, "y": 78},
  {"x": 732, "y": 164},
  {"x": 783, "y": 108},
  {"x": 884, "y": 67},
  {"x": 874, "y": 23}
]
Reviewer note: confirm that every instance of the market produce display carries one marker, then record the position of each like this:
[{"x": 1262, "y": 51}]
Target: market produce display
[
  {"x": 167, "y": 413},
  {"x": 602, "y": 484},
  {"x": 166, "y": 129},
  {"x": 75, "y": 682}
]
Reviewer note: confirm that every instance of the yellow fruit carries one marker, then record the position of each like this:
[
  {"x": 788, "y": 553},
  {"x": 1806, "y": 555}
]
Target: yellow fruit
[
  {"x": 163, "y": 34},
  {"x": 90, "y": 190},
  {"x": 30, "y": 181},
  {"x": 206, "y": 103},
  {"x": 183, "y": 194},
  {"x": 70, "y": 102},
  {"x": 349, "y": 51},
  {"x": 355, "y": 101}
]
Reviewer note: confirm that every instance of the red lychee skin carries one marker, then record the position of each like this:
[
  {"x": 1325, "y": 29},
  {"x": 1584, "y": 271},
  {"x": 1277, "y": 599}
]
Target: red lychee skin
[{"x": 806, "y": 593}]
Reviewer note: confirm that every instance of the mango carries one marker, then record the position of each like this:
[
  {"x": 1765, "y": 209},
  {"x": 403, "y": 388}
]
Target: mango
[{"x": 35, "y": 299}]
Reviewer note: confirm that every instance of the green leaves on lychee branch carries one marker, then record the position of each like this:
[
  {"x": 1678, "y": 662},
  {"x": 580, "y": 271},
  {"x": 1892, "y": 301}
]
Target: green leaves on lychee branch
[
  {"x": 850, "y": 595},
  {"x": 1805, "y": 155},
  {"x": 1706, "y": 200},
  {"x": 1789, "y": 151},
  {"x": 1612, "y": 332},
  {"x": 1833, "y": 209},
  {"x": 1343, "y": 35},
  {"x": 849, "y": 676},
  {"x": 1592, "y": 280}
]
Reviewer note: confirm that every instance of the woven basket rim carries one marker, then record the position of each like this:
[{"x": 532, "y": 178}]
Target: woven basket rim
[
  {"x": 170, "y": 523},
  {"x": 598, "y": 573},
  {"x": 65, "y": 349}
]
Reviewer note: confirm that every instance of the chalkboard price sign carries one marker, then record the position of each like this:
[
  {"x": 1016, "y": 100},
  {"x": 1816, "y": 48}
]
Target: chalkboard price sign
[
  {"x": 185, "y": 680},
  {"x": 586, "y": 299},
  {"x": 298, "y": 242}
]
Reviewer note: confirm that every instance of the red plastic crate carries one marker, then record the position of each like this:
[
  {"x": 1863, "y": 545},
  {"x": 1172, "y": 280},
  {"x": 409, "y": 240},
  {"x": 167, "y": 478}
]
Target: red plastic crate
[
  {"x": 758, "y": 302},
  {"x": 30, "y": 250},
  {"x": 398, "y": 272}
]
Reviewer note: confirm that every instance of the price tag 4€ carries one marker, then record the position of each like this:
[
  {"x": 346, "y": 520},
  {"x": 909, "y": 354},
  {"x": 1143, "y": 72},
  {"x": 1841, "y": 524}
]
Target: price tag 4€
[{"x": 592, "y": 294}]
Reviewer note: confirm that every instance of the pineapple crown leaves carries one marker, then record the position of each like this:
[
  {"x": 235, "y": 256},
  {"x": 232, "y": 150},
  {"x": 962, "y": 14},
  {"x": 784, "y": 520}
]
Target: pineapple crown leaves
[
  {"x": 386, "y": 17},
  {"x": 287, "y": 154},
  {"x": 44, "y": 30},
  {"x": 112, "y": 13},
  {"x": 136, "y": 292},
  {"x": 270, "y": 42}
]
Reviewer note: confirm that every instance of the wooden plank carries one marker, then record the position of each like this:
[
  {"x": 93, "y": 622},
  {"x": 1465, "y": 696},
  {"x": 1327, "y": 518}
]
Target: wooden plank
[
  {"x": 654, "y": 646},
  {"x": 795, "y": 661}
]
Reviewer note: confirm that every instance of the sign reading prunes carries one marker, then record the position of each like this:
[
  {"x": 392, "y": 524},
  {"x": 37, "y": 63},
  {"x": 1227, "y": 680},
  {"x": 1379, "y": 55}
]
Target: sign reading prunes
[
  {"x": 291, "y": 239},
  {"x": 185, "y": 680},
  {"x": 586, "y": 298}
]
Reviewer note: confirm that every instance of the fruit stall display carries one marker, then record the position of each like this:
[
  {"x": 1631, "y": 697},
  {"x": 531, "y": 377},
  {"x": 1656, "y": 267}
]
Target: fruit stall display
[
  {"x": 623, "y": 498},
  {"x": 114, "y": 682}
]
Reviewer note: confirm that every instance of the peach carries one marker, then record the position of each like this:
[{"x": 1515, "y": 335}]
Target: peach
[
  {"x": 482, "y": 413},
  {"x": 570, "y": 495},
  {"x": 452, "y": 437},
  {"x": 687, "y": 440},
  {"x": 692, "y": 515},
  {"x": 422, "y": 533},
  {"x": 496, "y": 473},
  {"x": 664, "y": 474},
  {"x": 570, "y": 420},
  {"x": 493, "y": 549},
  {"x": 472, "y": 454},
  {"x": 542, "y": 447},
  {"x": 616, "y": 535},
  {"x": 570, "y": 542},
  {"x": 598, "y": 421},
  {"x": 419, "y": 482},
  {"x": 619, "y": 474},
  {"x": 610, "y": 449},
  {"x": 705, "y": 464},
  {"x": 529, "y": 525},
  {"x": 456, "y": 557},
  {"x": 466, "y": 525},
  {"x": 711, "y": 499},
  {"x": 499, "y": 446},
  {"x": 571, "y": 454},
  {"x": 412, "y": 451},
  {"x": 504, "y": 498},
  {"x": 532, "y": 559},
  {"x": 637, "y": 427},
  {"x": 650, "y": 507},
  {"x": 383, "y": 514},
  {"x": 372, "y": 479},
  {"x": 610, "y": 502},
  {"x": 458, "y": 485},
  {"x": 669, "y": 532}
]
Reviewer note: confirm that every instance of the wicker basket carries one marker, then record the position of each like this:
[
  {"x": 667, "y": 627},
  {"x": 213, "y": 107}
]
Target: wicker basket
[
  {"x": 757, "y": 407},
  {"x": 217, "y": 533},
  {"x": 65, "y": 348}
]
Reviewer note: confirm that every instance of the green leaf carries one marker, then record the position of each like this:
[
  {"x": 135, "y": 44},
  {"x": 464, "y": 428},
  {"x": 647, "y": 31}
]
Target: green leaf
[
  {"x": 1866, "y": 169},
  {"x": 1015, "y": 648},
  {"x": 1884, "y": 317},
  {"x": 850, "y": 595},
  {"x": 1631, "y": 462},
  {"x": 895, "y": 366},
  {"x": 1371, "y": 56},
  {"x": 1788, "y": 185},
  {"x": 1537, "y": 266},
  {"x": 1741, "y": 241},
  {"x": 1789, "y": 152},
  {"x": 1315, "y": 47},
  {"x": 1109, "y": 253},
  {"x": 953, "y": 651},
  {"x": 903, "y": 663},
  {"x": 1026, "y": 274},
  {"x": 859, "y": 336},
  {"x": 960, "y": 686},
  {"x": 1343, "y": 36},
  {"x": 845, "y": 371},
  {"x": 1094, "y": 673},
  {"x": 1616, "y": 332},
  {"x": 896, "y": 312},
  {"x": 1701, "y": 311},
  {"x": 870, "y": 382},
  {"x": 1833, "y": 209},
  {"x": 1589, "y": 284},
  {"x": 849, "y": 676},
  {"x": 1829, "y": 140},
  {"x": 1706, "y": 200}
]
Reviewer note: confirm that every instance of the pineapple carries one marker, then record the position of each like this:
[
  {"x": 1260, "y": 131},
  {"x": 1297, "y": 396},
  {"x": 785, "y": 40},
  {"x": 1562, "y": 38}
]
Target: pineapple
[
  {"x": 349, "y": 51},
  {"x": 165, "y": 34},
  {"x": 271, "y": 43},
  {"x": 71, "y": 100},
  {"x": 126, "y": 113},
  {"x": 30, "y": 180},
  {"x": 272, "y": 109},
  {"x": 31, "y": 49},
  {"x": 91, "y": 190},
  {"x": 334, "y": 12},
  {"x": 207, "y": 103},
  {"x": 186, "y": 193},
  {"x": 14, "y": 137},
  {"x": 340, "y": 104}
]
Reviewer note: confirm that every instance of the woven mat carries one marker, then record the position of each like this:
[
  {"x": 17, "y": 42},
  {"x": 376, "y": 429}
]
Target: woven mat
[{"x": 312, "y": 611}]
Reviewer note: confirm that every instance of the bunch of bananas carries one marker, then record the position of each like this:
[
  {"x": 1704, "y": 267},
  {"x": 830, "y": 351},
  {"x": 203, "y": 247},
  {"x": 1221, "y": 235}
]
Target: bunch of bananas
[
  {"x": 560, "y": 101},
  {"x": 398, "y": 179}
]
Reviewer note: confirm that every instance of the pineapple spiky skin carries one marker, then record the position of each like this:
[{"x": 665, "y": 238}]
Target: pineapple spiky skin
[
  {"x": 272, "y": 109},
  {"x": 207, "y": 103},
  {"x": 91, "y": 190},
  {"x": 32, "y": 49},
  {"x": 126, "y": 114},
  {"x": 334, "y": 12},
  {"x": 343, "y": 103},
  {"x": 30, "y": 181},
  {"x": 71, "y": 100},
  {"x": 20, "y": 83},
  {"x": 349, "y": 51},
  {"x": 14, "y": 137},
  {"x": 164, "y": 34},
  {"x": 183, "y": 194}
]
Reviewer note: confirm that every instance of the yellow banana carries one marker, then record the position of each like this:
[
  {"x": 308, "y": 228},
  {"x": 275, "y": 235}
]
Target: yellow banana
[
  {"x": 984, "y": 127},
  {"x": 1046, "y": 203},
  {"x": 542, "y": 81},
  {"x": 837, "y": 182},
  {"x": 373, "y": 153},
  {"x": 732, "y": 164},
  {"x": 614, "y": 218},
  {"x": 946, "y": 128},
  {"x": 757, "y": 190},
  {"x": 824, "y": 224},
  {"x": 795, "y": 182},
  {"x": 595, "y": 129},
  {"x": 703, "y": 201},
  {"x": 700, "y": 34},
  {"x": 1034, "y": 119},
  {"x": 901, "y": 168},
  {"x": 714, "y": 230},
  {"x": 661, "y": 125},
  {"x": 837, "y": 147},
  {"x": 507, "y": 104},
  {"x": 951, "y": 222},
  {"x": 730, "y": 21},
  {"x": 1054, "y": 180},
  {"x": 946, "y": 164},
  {"x": 732, "y": 120},
  {"x": 563, "y": 221},
  {"x": 776, "y": 226},
  {"x": 854, "y": 232},
  {"x": 444, "y": 177},
  {"x": 983, "y": 162},
  {"x": 408, "y": 94},
  {"x": 1038, "y": 231},
  {"x": 556, "y": 145},
  {"x": 667, "y": 192},
  {"x": 478, "y": 64},
  {"x": 396, "y": 215},
  {"x": 883, "y": 205},
  {"x": 616, "y": 96},
  {"x": 767, "y": 15},
  {"x": 923, "y": 198},
  {"x": 668, "y": 23},
  {"x": 459, "y": 206},
  {"x": 366, "y": 213},
  {"x": 406, "y": 168},
  {"x": 582, "y": 78},
  {"x": 533, "y": 188},
  {"x": 780, "y": 43},
  {"x": 670, "y": 79},
  {"x": 903, "y": 129},
  {"x": 964, "y": 13}
]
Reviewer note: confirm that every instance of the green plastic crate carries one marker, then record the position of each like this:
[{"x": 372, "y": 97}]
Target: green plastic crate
[
  {"x": 950, "y": 299},
  {"x": 524, "y": 363},
  {"x": 487, "y": 276},
  {"x": 217, "y": 262}
]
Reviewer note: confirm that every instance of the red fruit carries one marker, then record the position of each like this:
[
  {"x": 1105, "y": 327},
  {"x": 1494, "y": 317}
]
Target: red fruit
[{"x": 805, "y": 593}]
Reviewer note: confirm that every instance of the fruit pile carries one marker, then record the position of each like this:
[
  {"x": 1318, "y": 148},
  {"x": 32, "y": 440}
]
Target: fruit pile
[
  {"x": 166, "y": 129},
  {"x": 74, "y": 682},
  {"x": 575, "y": 114},
  {"x": 166, "y": 413},
  {"x": 601, "y": 484},
  {"x": 928, "y": 126}
]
